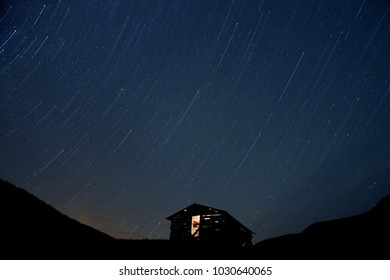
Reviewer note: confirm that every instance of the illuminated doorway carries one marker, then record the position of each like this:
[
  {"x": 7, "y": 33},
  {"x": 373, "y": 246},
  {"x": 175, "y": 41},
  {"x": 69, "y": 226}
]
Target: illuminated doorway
[{"x": 195, "y": 224}]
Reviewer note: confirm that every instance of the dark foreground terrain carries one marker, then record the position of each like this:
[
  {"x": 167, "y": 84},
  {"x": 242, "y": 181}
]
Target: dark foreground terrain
[
  {"x": 365, "y": 236},
  {"x": 32, "y": 229}
]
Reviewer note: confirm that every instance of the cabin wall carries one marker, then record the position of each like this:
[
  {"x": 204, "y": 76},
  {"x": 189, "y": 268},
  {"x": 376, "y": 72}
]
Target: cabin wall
[
  {"x": 180, "y": 228},
  {"x": 213, "y": 227}
]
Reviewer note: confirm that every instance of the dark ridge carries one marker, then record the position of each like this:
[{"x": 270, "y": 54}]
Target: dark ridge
[
  {"x": 32, "y": 229},
  {"x": 364, "y": 236}
]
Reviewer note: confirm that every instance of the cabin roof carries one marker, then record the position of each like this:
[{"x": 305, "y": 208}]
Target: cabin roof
[{"x": 198, "y": 209}]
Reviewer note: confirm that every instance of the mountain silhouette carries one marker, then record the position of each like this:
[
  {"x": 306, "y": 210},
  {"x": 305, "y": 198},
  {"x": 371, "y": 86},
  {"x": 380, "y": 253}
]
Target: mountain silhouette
[
  {"x": 365, "y": 236},
  {"x": 32, "y": 229}
]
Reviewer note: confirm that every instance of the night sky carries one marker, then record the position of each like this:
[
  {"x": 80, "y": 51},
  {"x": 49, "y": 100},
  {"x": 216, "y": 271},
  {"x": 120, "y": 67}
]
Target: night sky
[{"x": 120, "y": 113}]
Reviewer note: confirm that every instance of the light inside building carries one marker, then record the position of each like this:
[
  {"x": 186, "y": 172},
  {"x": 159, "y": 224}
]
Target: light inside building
[{"x": 195, "y": 223}]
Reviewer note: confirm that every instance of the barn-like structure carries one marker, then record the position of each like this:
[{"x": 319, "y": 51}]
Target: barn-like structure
[{"x": 199, "y": 222}]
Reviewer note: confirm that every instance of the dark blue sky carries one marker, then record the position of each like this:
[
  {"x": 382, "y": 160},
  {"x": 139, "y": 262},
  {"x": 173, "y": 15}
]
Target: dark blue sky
[{"x": 120, "y": 113}]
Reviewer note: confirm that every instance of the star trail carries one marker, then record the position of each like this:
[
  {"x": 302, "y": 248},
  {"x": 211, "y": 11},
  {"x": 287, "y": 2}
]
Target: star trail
[{"x": 120, "y": 113}]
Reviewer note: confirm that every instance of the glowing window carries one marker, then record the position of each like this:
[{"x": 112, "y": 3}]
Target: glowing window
[{"x": 195, "y": 223}]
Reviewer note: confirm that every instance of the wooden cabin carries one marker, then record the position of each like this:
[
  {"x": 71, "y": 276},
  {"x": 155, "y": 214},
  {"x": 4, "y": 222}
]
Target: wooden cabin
[{"x": 199, "y": 222}]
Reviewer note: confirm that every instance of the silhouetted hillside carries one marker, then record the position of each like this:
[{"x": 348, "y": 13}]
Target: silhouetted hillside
[
  {"x": 365, "y": 236},
  {"x": 32, "y": 229}
]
